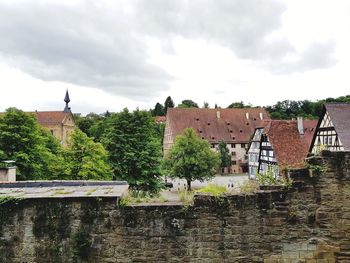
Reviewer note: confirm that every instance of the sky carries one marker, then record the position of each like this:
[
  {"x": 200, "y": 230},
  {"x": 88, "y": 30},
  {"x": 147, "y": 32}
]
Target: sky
[{"x": 134, "y": 53}]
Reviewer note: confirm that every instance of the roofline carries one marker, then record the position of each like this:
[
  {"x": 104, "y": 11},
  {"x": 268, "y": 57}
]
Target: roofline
[{"x": 318, "y": 125}]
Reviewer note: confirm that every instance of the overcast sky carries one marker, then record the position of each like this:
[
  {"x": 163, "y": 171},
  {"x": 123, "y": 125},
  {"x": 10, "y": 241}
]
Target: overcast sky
[{"x": 134, "y": 53}]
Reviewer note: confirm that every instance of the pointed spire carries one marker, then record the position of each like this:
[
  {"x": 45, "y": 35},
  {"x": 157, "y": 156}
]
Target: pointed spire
[{"x": 66, "y": 100}]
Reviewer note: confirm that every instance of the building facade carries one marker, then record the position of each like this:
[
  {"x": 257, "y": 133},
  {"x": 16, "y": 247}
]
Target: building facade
[
  {"x": 333, "y": 129},
  {"x": 280, "y": 145},
  {"x": 233, "y": 126}
]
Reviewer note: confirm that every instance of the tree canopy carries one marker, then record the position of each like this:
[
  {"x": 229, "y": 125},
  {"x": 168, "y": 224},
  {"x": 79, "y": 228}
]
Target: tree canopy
[
  {"x": 134, "y": 149},
  {"x": 33, "y": 149},
  {"x": 188, "y": 104},
  {"x": 86, "y": 159},
  {"x": 191, "y": 158},
  {"x": 169, "y": 103},
  {"x": 225, "y": 158}
]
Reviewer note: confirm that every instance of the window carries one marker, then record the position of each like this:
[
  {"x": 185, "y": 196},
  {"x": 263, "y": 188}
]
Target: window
[
  {"x": 233, "y": 153},
  {"x": 233, "y": 145},
  {"x": 234, "y": 162},
  {"x": 213, "y": 145},
  {"x": 242, "y": 145}
]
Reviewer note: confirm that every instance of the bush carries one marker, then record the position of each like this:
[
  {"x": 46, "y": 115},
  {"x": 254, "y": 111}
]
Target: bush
[{"x": 213, "y": 189}]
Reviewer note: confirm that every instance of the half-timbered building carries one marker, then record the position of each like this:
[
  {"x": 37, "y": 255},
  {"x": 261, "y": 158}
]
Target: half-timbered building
[
  {"x": 282, "y": 144},
  {"x": 333, "y": 129}
]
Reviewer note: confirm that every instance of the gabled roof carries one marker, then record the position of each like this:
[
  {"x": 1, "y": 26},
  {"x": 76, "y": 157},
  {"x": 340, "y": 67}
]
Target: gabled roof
[
  {"x": 290, "y": 147},
  {"x": 51, "y": 117},
  {"x": 340, "y": 117},
  {"x": 229, "y": 125},
  {"x": 48, "y": 117}
]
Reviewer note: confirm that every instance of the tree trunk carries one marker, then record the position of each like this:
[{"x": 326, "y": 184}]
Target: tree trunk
[{"x": 188, "y": 185}]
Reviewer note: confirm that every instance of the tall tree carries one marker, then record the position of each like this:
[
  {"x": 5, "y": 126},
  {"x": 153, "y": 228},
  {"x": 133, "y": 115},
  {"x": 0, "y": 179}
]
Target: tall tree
[
  {"x": 134, "y": 149},
  {"x": 225, "y": 158},
  {"x": 169, "y": 103},
  {"x": 158, "y": 110},
  {"x": 191, "y": 158},
  {"x": 87, "y": 159},
  {"x": 35, "y": 151},
  {"x": 188, "y": 104}
]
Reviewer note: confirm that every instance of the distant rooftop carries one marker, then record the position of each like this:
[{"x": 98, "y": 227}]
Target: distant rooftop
[{"x": 63, "y": 189}]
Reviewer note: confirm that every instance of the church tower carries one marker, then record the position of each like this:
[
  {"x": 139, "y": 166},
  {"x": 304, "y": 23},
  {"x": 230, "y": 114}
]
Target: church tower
[{"x": 66, "y": 100}]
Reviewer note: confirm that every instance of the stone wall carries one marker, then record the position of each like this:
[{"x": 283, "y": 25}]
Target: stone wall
[{"x": 309, "y": 223}]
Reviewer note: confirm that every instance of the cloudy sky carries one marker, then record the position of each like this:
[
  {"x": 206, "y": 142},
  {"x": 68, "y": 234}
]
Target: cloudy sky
[{"x": 134, "y": 53}]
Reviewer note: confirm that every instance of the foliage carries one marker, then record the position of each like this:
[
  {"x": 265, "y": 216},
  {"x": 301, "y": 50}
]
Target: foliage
[
  {"x": 169, "y": 103},
  {"x": 137, "y": 197},
  {"x": 158, "y": 110},
  {"x": 86, "y": 159},
  {"x": 239, "y": 105},
  {"x": 206, "y": 105},
  {"x": 188, "y": 104},
  {"x": 225, "y": 157},
  {"x": 269, "y": 178},
  {"x": 317, "y": 169},
  {"x": 191, "y": 158},
  {"x": 87, "y": 124},
  {"x": 35, "y": 151},
  {"x": 134, "y": 149},
  {"x": 213, "y": 189},
  {"x": 249, "y": 186},
  {"x": 186, "y": 197},
  {"x": 288, "y": 109}
]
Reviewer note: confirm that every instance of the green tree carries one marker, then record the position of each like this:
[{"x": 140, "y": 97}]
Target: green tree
[
  {"x": 35, "y": 151},
  {"x": 191, "y": 158},
  {"x": 169, "y": 103},
  {"x": 158, "y": 110},
  {"x": 188, "y": 104},
  {"x": 134, "y": 149},
  {"x": 225, "y": 158},
  {"x": 206, "y": 105},
  {"x": 86, "y": 159}
]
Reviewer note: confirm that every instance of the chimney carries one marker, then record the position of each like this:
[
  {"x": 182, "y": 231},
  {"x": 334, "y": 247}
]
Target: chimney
[
  {"x": 261, "y": 115},
  {"x": 300, "y": 125},
  {"x": 218, "y": 114},
  {"x": 247, "y": 115},
  {"x": 7, "y": 172}
]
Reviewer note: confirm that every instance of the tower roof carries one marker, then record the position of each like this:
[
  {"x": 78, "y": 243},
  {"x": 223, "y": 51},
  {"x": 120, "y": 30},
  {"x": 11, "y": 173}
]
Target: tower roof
[{"x": 66, "y": 100}]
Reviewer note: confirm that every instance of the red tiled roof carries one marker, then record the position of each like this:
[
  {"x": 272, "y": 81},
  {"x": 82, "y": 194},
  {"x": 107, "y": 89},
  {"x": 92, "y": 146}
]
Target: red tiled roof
[
  {"x": 290, "y": 147},
  {"x": 340, "y": 117},
  {"x": 229, "y": 125},
  {"x": 50, "y": 117},
  {"x": 309, "y": 130}
]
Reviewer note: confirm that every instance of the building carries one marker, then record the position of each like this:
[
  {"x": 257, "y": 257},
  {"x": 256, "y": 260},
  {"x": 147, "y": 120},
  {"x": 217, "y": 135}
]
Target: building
[
  {"x": 280, "y": 144},
  {"x": 333, "y": 129},
  {"x": 60, "y": 123},
  {"x": 233, "y": 126}
]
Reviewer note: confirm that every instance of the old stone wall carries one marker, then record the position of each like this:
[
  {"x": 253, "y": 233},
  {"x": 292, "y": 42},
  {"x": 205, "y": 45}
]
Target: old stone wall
[{"x": 308, "y": 223}]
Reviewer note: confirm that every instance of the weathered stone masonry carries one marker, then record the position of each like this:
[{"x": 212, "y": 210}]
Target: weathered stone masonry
[{"x": 310, "y": 223}]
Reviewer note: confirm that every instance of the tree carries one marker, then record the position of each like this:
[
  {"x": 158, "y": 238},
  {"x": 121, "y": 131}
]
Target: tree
[
  {"x": 169, "y": 103},
  {"x": 191, "y": 158},
  {"x": 188, "y": 104},
  {"x": 86, "y": 159},
  {"x": 35, "y": 151},
  {"x": 225, "y": 158},
  {"x": 158, "y": 110},
  {"x": 134, "y": 149},
  {"x": 205, "y": 105}
]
